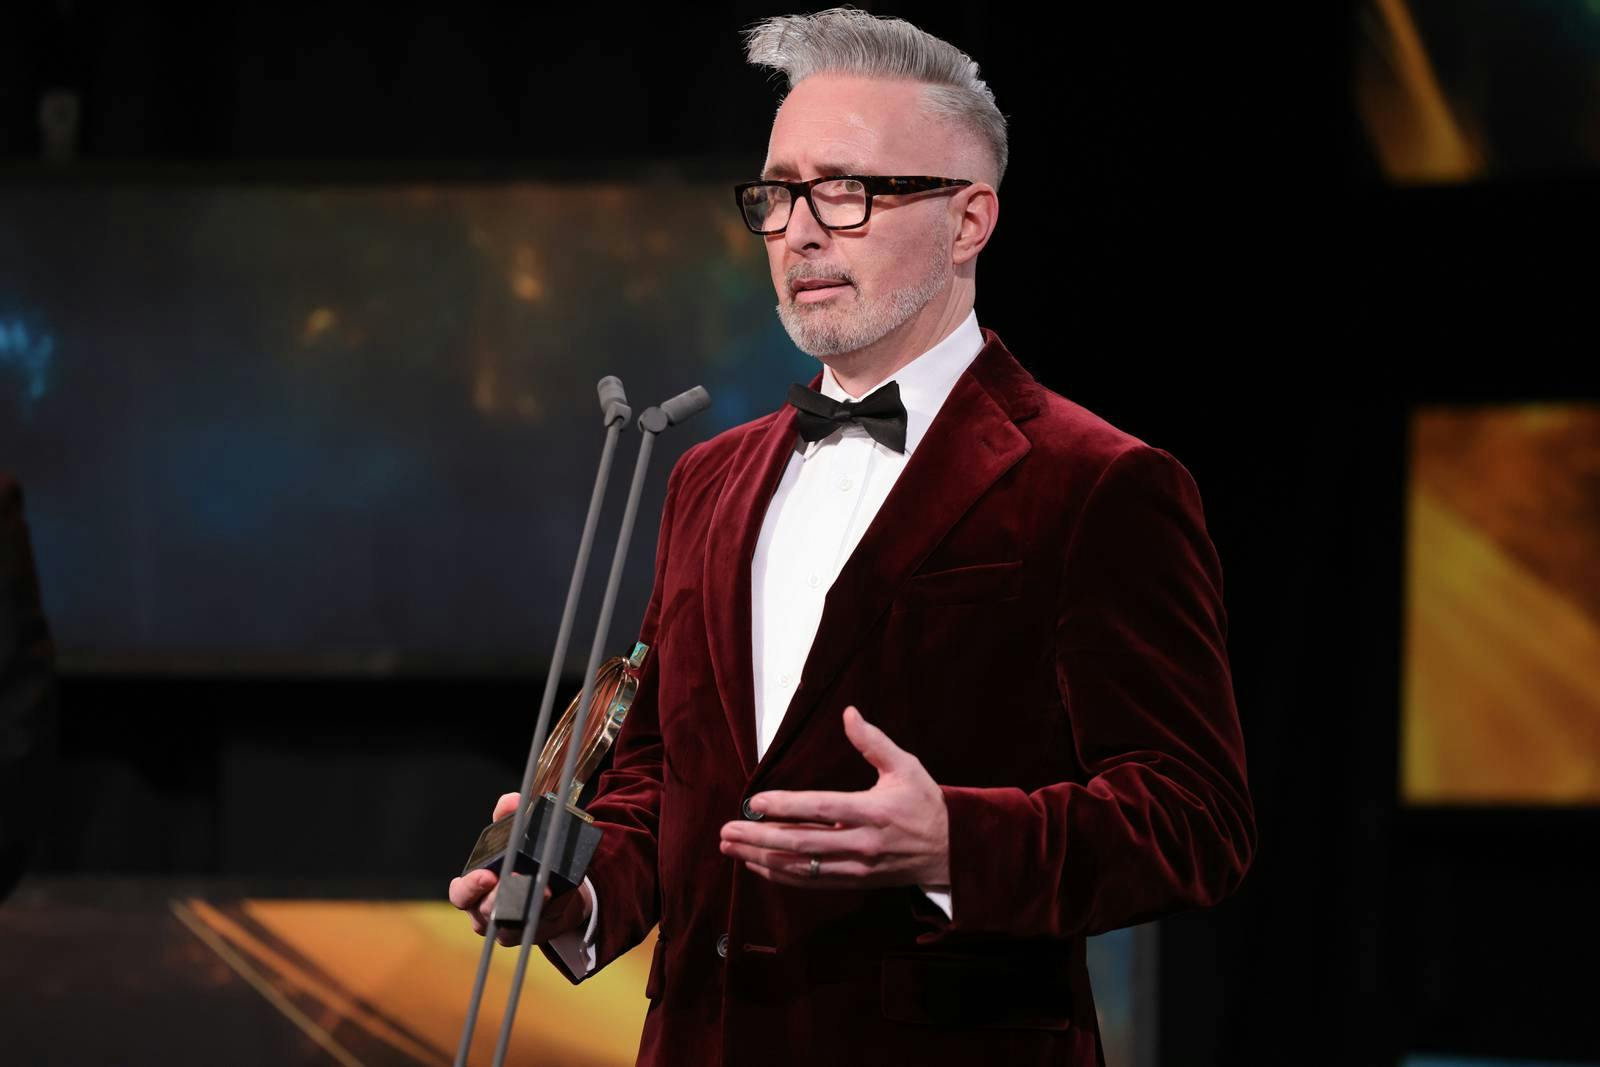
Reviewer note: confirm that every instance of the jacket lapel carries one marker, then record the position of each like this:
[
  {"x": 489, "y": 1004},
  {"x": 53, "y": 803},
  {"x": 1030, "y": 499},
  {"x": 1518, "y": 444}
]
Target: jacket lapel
[
  {"x": 730, "y": 548},
  {"x": 971, "y": 442}
]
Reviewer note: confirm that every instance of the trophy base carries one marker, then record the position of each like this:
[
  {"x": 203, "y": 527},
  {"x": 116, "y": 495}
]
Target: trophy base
[{"x": 579, "y": 838}]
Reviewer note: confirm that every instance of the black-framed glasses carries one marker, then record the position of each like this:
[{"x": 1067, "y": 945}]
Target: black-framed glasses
[{"x": 838, "y": 201}]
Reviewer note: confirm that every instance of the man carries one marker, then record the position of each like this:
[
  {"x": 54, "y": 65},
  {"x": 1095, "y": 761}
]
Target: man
[{"x": 929, "y": 700}]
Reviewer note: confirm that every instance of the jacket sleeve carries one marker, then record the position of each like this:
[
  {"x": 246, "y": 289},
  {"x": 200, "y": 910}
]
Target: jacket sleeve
[
  {"x": 627, "y": 801},
  {"x": 1163, "y": 820}
]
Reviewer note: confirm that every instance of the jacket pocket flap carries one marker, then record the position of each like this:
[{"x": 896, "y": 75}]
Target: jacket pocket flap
[{"x": 961, "y": 585}]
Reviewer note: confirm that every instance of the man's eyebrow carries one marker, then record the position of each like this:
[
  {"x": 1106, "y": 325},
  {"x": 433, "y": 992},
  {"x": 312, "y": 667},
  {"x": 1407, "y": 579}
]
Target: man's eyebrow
[{"x": 789, "y": 170}]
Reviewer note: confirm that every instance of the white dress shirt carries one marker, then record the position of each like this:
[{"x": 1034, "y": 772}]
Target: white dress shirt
[{"x": 824, "y": 502}]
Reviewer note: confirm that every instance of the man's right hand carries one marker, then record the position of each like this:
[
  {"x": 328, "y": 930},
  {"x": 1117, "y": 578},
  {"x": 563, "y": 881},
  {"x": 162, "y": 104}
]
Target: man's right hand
[{"x": 474, "y": 893}]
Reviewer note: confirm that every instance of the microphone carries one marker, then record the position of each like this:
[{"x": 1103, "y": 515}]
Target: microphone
[
  {"x": 616, "y": 412},
  {"x": 515, "y": 896},
  {"x": 612, "y": 400},
  {"x": 686, "y": 405}
]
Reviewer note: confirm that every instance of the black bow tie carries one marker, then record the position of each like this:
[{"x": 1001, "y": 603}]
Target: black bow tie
[{"x": 880, "y": 413}]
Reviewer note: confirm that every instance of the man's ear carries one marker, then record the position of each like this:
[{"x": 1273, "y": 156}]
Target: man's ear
[{"x": 976, "y": 210}]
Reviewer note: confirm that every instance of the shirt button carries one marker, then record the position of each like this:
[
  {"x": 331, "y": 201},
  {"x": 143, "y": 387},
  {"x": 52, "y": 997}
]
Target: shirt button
[
  {"x": 783, "y": 680},
  {"x": 722, "y": 946},
  {"x": 845, "y": 484},
  {"x": 814, "y": 581},
  {"x": 751, "y": 813}
]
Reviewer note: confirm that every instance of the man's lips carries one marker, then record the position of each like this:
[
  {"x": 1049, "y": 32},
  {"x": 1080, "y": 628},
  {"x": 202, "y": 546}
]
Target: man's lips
[{"x": 812, "y": 290}]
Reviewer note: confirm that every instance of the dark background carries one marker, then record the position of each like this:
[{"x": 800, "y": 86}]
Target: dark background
[{"x": 1195, "y": 243}]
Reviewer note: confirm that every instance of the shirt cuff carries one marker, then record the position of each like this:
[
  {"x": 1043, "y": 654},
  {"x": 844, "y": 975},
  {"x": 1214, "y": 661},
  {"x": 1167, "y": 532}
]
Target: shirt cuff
[
  {"x": 577, "y": 952},
  {"x": 941, "y": 897}
]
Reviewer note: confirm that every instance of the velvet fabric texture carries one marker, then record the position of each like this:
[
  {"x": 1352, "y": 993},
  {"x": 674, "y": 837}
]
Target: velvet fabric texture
[{"x": 1035, "y": 613}]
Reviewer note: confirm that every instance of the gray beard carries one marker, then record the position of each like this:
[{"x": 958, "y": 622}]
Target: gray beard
[{"x": 826, "y": 331}]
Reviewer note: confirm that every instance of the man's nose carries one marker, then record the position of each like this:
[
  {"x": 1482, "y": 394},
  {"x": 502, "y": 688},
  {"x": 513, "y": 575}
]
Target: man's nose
[{"x": 804, "y": 231}]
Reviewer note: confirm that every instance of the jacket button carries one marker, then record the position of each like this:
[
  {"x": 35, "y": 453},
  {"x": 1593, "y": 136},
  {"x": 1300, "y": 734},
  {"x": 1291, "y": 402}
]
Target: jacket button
[
  {"x": 751, "y": 813},
  {"x": 722, "y": 946}
]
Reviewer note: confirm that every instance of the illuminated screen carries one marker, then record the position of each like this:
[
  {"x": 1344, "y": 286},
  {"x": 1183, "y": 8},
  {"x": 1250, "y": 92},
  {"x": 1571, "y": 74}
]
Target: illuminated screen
[
  {"x": 1501, "y": 700},
  {"x": 1451, "y": 91},
  {"x": 355, "y": 428}
]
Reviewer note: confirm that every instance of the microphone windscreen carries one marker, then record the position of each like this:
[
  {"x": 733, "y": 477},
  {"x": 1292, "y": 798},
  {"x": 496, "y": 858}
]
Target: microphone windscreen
[
  {"x": 686, "y": 405},
  {"x": 611, "y": 391}
]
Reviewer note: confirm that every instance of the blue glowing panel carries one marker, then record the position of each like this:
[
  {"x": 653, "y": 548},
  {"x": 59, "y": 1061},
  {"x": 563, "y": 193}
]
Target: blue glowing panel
[{"x": 355, "y": 427}]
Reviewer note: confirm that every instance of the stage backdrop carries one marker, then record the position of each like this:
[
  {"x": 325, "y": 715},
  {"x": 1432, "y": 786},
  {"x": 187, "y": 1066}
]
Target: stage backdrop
[
  {"x": 197, "y": 974},
  {"x": 353, "y": 428}
]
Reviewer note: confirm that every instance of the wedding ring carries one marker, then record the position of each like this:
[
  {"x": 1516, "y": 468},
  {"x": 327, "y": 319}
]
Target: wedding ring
[{"x": 815, "y": 864}]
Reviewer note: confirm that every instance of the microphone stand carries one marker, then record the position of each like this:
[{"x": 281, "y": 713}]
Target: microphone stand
[
  {"x": 515, "y": 897},
  {"x": 616, "y": 413}
]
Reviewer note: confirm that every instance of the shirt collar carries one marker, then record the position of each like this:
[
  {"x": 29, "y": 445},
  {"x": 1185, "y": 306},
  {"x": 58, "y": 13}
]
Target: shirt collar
[{"x": 924, "y": 382}]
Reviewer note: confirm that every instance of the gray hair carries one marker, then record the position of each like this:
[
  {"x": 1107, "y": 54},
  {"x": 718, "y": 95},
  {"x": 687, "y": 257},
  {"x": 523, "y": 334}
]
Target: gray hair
[{"x": 843, "y": 40}]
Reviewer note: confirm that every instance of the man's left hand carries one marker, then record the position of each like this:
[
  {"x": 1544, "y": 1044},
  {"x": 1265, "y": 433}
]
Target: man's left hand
[{"x": 896, "y": 833}]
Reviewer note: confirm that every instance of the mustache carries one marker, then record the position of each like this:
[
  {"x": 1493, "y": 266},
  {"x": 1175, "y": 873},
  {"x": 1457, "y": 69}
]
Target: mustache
[{"x": 805, "y": 272}]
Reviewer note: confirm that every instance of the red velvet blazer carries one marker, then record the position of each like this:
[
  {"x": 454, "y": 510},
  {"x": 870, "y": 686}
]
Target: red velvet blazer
[{"x": 1035, "y": 613}]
